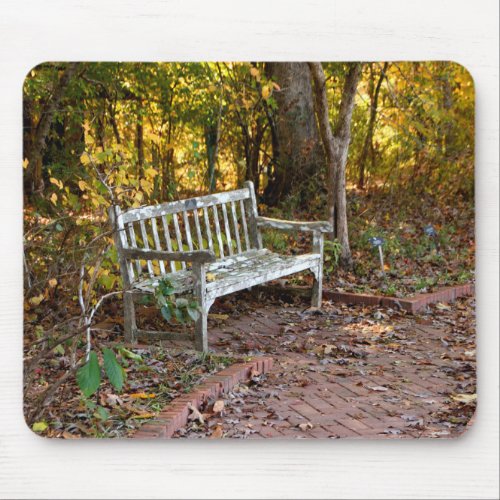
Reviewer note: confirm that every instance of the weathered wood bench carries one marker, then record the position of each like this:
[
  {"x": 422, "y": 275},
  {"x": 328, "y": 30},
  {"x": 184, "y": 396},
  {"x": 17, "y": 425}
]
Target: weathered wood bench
[{"x": 218, "y": 235}]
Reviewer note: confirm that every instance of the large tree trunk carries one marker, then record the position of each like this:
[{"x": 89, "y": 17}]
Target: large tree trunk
[
  {"x": 336, "y": 145},
  {"x": 368, "y": 144},
  {"x": 36, "y": 147},
  {"x": 300, "y": 152}
]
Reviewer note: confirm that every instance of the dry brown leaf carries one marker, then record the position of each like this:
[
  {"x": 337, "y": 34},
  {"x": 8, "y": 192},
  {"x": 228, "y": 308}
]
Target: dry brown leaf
[
  {"x": 305, "y": 426},
  {"x": 195, "y": 414},
  {"x": 218, "y": 406},
  {"x": 379, "y": 388},
  {"x": 217, "y": 433}
]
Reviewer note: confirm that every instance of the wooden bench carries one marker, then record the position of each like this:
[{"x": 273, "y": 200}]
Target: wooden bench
[{"x": 218, "y": 235}]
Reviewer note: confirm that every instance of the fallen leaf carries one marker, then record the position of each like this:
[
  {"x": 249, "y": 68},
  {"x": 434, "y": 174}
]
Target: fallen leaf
[
  {"x": 68, "y": 435},
  {"x": 379, "y": 388},
  {"x": 40, "y": 426},
  {"x": 195, "y": 414},
  {"x": 392, "y": 430},
  {"x": 443, "y": 307},
  {"x": 218, "y": 406},
  {"x": 305, "y": 426},
  {"x": 210, "y": 277},
  {"x": 217, "y": 433},
  {"x": 218, "y": 316},
  {"x": 142, "y": 395},
  {"x": 37, "y": 300},
  {"x": 464, "y": 398},
  {"x": 143, "y": 415}
]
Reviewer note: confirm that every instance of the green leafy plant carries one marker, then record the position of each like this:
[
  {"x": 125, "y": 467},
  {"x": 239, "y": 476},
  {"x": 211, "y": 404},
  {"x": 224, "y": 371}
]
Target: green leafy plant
[
  {"x": 88, "y": 376},
  {"x": 332, "y": 251},
  {"x": 180, "y": 309}
]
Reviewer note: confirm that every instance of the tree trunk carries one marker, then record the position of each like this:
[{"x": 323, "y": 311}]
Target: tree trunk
[
  {"x": 336, "y": 145},
  {"x": 300, "y": 153},
  {"x": 139, "y": 142},
  {"x": 34, "y": 179},
  {"x": 368, "y": 144},
  {"x": 212, "y": 139},
  {"x": 255, "y": 141}
]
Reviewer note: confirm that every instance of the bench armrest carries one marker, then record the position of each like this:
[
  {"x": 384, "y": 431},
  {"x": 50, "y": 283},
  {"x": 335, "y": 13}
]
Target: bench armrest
[
  {"x": 284, "y": 225},
  {"x": 200, "y": 256}
]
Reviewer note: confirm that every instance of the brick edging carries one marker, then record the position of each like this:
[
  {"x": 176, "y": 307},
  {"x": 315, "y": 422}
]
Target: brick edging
[
  {"x": 411, "y": 305},
  {"x": 174, "y": 416}
]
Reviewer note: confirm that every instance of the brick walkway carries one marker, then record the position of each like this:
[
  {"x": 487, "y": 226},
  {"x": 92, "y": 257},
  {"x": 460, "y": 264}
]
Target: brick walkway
[{"x": 355, "y": 372}]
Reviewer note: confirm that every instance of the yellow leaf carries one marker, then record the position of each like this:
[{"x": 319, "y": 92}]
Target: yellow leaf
[
  {"x": 150, "y": 172},
  {"x": 82, "y": 185},
  {"x": 219, "y": 316},
  {"x": 266, "y": 91},
  {"x": 138, "y": 196},
  {"x": 53, "y": 198},
  {"x": 57, "y": 182},
  {"x": 142, "y": 395},
  {"x": 85, "y": 158},
  {"x": 144, "y": 415},
  {"x": 40, "y": 426},
  {"x": 210, "y": 277},
  {"x": 146, "y": 185},
  {"x": 52, "y": 282},
  {"x": 26, "y": 163},
  {"x": 255, "y": 73},
  {"x": 156, "y": 139},
  {"x": 36, "y": 300}
]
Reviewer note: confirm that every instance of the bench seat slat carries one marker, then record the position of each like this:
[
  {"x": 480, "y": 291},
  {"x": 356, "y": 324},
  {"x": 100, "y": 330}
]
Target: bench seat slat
[{"x": 238, "y": 272}]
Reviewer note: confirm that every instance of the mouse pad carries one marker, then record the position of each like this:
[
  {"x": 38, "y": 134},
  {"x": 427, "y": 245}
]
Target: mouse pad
[{"x": 249, "y": 250}]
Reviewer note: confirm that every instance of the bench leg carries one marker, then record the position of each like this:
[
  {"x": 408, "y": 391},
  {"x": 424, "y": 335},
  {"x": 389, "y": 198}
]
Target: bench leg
[
  {"x": 200, "y": 332},
  {"x": 130, "y": 324},
  {"x": 317, "y": 289}
]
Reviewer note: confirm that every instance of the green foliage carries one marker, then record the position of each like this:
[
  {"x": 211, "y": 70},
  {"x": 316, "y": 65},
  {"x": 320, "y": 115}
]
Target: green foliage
[
  {"x": 89, "y": 375},
  {"x": 115, "y": 373},
  {"x": 332, "y": 252},
  {"x": 275, "y": 240},
  {"x": 181, "y": 309}
]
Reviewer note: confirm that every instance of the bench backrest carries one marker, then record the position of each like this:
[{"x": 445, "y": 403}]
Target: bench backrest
[{"x": 222, "y": 222}]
